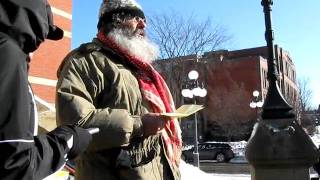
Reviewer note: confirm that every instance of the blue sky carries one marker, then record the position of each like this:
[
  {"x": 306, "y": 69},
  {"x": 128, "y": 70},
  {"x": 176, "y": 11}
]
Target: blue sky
[{"x": 295, "y": 23}]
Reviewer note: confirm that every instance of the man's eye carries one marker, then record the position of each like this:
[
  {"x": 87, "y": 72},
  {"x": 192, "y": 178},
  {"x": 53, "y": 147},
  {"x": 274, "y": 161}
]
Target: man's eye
[{"x": 137, "y": 18}]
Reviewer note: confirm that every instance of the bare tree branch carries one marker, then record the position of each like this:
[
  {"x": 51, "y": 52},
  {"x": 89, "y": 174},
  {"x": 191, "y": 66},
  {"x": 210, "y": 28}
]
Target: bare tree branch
[
  {"x": 303, "y": 102},
  {"x": 180, "y": 36},
  {"x": 305, "y": 94}
]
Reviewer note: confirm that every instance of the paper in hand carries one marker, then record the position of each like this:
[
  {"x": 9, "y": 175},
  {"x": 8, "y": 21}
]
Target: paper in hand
[{"x": 184, "y": 111}]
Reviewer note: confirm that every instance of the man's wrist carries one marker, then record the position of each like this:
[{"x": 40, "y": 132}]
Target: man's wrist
[{"x": 137, "y": 130}]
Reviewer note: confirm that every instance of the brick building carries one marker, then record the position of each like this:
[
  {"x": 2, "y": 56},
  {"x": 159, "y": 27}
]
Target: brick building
[
  {"x": 230, "y": 77},
  {"x": 47, "y": 58}
]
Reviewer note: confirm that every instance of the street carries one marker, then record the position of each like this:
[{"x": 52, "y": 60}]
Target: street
[
  {"x": 225, "y": 168},
  {"x": 237, "y": 168}
]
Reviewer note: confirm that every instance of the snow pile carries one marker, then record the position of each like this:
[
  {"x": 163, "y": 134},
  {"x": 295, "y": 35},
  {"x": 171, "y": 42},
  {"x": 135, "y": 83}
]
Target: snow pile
[
  {"x": 238, "y": 148},
  {"x": 316, "y": 139},
  {"x": 189, "y": 172}
]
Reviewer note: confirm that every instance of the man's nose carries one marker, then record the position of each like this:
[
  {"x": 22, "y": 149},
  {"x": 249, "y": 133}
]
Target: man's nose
[{"x": 141, "y": 23}]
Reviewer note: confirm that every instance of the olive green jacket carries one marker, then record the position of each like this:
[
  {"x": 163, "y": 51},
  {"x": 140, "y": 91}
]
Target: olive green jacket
[{"x": 96, "y": 88}]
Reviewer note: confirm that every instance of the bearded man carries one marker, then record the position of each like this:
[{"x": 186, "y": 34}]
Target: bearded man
[{"x": 110, "y": 83}]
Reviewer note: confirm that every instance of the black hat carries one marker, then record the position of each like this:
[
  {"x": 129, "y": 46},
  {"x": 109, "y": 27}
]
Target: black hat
[{"x": 55, "y": 33}]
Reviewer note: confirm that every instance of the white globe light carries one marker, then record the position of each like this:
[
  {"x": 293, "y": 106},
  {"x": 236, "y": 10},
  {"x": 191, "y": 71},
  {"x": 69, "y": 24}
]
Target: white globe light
[
  {"x": 259, "y": 104},
  {"x": 203, "y": 92},
  {"x": 196, "y": 91},
  {"x": 255, "y": 93},
  {"x": 185, "y": 92},
  {"x": 253, "y": 105},
  {"x": 193, "y": 75},
  {"x": 190, "y": 95}
]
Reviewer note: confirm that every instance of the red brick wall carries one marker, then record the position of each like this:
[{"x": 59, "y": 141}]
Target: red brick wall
[
  {"x": 65, "y": 5},
  {"x": 47, "y": 93},
  {"x": 246, "y": 72},
  {"x": 63, "y": 23},
  {"x": 230, "y": 78},
  {"x": 47, "y": 58},
  {"x": 230, "y": 84}
]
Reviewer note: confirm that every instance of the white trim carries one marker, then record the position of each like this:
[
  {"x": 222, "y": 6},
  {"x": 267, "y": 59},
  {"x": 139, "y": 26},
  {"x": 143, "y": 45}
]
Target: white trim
[
  {"x": 61, "y": 13},
  {"x": 17, "y": 140},
  {"x": 35, "y": 112},
  {"x": 42, "y": 81},
  {"x": 67, "y": 34},
  {"x": 65, "y": 15}
]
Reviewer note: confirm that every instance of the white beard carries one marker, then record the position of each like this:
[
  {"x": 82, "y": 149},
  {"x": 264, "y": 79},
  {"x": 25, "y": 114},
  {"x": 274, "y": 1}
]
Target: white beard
[{"x": 138, "y": 46}]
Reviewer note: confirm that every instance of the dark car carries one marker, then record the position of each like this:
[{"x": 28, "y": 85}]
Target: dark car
[{"x": 221, "y": 152}]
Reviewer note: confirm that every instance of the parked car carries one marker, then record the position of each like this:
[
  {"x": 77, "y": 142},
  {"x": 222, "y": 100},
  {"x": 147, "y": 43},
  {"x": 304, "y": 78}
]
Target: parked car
[{"x": 221, "y": 152}]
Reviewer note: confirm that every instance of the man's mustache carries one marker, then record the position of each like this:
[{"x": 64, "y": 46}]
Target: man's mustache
[{"x": 140, "y": 32}]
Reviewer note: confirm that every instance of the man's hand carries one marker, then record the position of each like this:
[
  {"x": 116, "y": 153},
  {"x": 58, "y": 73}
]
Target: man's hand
[
  {"x": 76, "y": 137},
  {"x": 153, "y": 123}
]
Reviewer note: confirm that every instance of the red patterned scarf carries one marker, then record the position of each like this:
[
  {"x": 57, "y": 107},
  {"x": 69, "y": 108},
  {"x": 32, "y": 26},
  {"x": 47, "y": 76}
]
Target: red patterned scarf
[{"x": 156, "y": 92}]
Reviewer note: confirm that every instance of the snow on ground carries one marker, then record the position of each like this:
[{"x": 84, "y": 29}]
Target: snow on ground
[
  {"x": 316, "y": 139},
  {"x": 190, "y": 172},
  {"x": 232, "y": 176}
]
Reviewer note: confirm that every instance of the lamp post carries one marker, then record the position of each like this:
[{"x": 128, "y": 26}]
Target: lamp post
[
  {"x": 278, "y": 147},
  {"x": 256, "y": 101},
  {"x": 193, "y": 89}
]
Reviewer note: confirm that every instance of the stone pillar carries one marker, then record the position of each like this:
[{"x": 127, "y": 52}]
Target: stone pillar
[{"x": 279, "y": 149}]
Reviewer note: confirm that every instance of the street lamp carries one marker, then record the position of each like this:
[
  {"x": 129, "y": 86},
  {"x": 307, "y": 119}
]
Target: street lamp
[
  {"x": 192, "y": 89},
  {"x": 256, "y": 102},
  {"x": 278, "y": 147}
]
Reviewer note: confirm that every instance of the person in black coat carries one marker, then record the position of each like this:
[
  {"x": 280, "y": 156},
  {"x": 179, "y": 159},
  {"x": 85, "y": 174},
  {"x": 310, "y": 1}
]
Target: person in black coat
[
  {"x": 24, "y": 25},
  {"x": 316, "y": 166}
]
